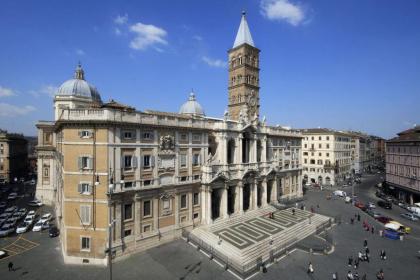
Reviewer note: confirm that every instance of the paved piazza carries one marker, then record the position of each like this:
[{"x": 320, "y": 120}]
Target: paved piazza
[{"x": 247, "y": 233}]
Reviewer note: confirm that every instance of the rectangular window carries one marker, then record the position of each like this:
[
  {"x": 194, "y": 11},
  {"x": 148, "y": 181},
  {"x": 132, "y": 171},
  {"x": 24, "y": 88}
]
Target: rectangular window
[
  {"x": 195, "y": 216},
  {"x": 147, "y": 135},
  {"x": 146, "y": 228},
  {"x": 305, "y": 160},
  {"x": 306, "y": 145},
  {"x": 127, "y": 232},
  {"x": 196, "y": 177},
  {"x": 305, "y": 153},
  {"x": 84, "y": 188},
  {"x": 196, "y": 159},
  {"x": 148, "y": 161},
  {"x": 147, "y": 182},
  {"x": 127, "y": 161},
  {"x": 85, "y": 214},
  {"x": 85, "y": 134},
  {"x": 183, "y": 178},
  {"x": 147, "y": 208},
  {"x": 328, "y": 154},
  {"x": 320, "y": 145},
  {"x": 46, "y": 171},
  {"x": 183, "y": 137},
  {"x": 128, "y": 211},
  {"x": 128, "y": 185},
  {"x": 196, "y": 198},
  {"x": 183, "y": 160},
  {"x": 183, "y": 201},
  {"x": 85, "y": 246},
  {"x": 128, "y": 134},
  {"x": 85, "y": 162},
  {"x": 166, "y": 204},
  {"x": 196, "y": 137}
]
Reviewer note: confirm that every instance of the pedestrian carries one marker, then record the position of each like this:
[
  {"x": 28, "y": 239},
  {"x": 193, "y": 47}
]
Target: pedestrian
[
  {"x": 364, "y": 277},
  {"x": 317, "y": 206},
  {"x": 310, "y": 268},
  {"x": 356, "y": 264},
  {"x": 356, "y": 276},
  {"x": 367, "y": 250},
  {"x": 335, "y": 276},
  {"x": 367, "y": 257},
  {"x": 349, "y": 275},
  {"x": 10, "y": 266},
  {"x": 351, "y": 221},
  {"x": 350, "y": 263},
  {"x": 365, "y": 243},
  {"x": 373, "y": 230},
  {"x": 360, "y": 256},
  {"x": 293, "y": 211},
  {"x": 358, "y": 217}
]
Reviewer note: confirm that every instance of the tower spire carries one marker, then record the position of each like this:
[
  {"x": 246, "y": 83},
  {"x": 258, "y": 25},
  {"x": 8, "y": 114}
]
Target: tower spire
[{"x": 244, "y": 35}]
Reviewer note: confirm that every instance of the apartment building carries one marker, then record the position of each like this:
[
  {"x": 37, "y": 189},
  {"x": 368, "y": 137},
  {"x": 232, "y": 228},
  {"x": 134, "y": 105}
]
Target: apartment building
[
  {"x": 326, "y": 156},
  {"x": 13, "y": 156},
  {"x": 403, "y": 165}
]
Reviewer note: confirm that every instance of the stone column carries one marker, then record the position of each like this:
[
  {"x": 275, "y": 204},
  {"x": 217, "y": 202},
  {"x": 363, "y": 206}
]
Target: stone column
[
  {"x": 238, "y": 149},
  {"x": 156, "y": 213},
  {"x": 203, "y": 203},
  {"x": 118, "y": 219},
  {"x": 264, "y": 193},
  {"x": 254, "y": 194},
  {"x": 223, "y": 203},
  {"x": 274, "y": 189},
  {"x": 176, "y": 209},
  {"x": 137, "y": 217},
  {"x": 240, "y": 197},
  {"x": 190, "y": 205},
  {"x": 209, "y": 218},
  {"x": 264, "y": 149}
]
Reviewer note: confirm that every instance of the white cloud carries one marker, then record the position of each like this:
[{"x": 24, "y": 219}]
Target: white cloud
[
  {"x": 5, "y": 92},
  {"x": 214, "y": 62},
  {"x": 197, "y": 38},
  {"x": 8, "y": 110},
  {"x": 282, "y": 10},
  {"x": 147, "y": 35},
  {"x": 48, "y": 90},
  {"x": 80, "y": 52},
  {"x": 120, "y": 20},
  {"x": 117, "y": 31}
]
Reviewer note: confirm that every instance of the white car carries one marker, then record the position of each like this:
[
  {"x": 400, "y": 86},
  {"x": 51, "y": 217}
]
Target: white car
[
  {"x": 6, "y": 229},
  {"x": 371, "y": 205},
  {"x": 35, "y": 202},
  {"x": 46, "y": 217},
  {"x": 340, "y": 193},
  {"x": 23, "y": 227},
  {"x": 12, "y": 196},
  {"x": 37, "y": 226},
  {"x": 29, "y": 219}
]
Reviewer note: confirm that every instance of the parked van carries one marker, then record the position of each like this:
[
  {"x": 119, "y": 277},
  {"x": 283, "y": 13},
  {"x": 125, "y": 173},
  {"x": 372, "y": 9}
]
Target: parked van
[
  {"x": 414, "y": 210},
  {"x": 340, "y": 193}
]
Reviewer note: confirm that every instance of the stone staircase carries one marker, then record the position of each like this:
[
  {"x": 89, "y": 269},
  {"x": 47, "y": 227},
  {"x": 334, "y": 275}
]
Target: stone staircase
[{"x": 247, "y": 259}]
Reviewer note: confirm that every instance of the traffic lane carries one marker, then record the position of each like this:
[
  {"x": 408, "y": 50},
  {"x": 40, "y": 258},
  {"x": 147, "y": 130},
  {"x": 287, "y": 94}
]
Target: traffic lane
[{"x": 367, "y": 194}]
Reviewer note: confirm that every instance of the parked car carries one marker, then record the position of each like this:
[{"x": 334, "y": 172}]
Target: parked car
[
  {"x": 385, "y": 204},
  {"x": 46, "y": 217},
  {"x": 360, "y": 205},
  {"x": 3, "y": 204},
  {"x": 6, "y": 229},
  {"x": 3, "y": 254},
  {"x": 340, "y": 193},
  {"x": 373, "y": 213},
  {"x": 383, "y": 219},
  {"x": 35, "y": 203},
  {"x": 23, "y": 211},
  {"x": 54, "y": 231},
  {"x": 11, "y": 209},
  {"x": 371, "y": 205},
  {"x": 29, "y": 219},
  {"x": 12, "y": 196},
  {"x": 409, "y": 216},
  {"x": 31, "y": 214},
  {"x": 23, "y": 227},
  {"x": 37, "y": 226},
  {"x": 394, "y": 225}
]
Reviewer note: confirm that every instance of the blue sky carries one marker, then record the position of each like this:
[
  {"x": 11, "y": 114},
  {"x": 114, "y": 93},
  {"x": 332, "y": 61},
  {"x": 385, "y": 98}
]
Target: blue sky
[{"x": 338, "y": 64}]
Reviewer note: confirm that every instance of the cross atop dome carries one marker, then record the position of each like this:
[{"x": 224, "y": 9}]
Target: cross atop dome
[{"x": 244, "y": 35}]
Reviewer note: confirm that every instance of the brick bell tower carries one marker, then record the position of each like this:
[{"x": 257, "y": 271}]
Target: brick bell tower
[{"x": 244, "y": 75}]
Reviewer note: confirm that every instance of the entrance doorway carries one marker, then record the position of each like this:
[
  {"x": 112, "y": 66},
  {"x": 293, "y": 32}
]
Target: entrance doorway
[
  {"x": 246, "y": 196},
  {"x": 216, "y": 198},
  {"x": 269, "y": 190},
  {"x": 259, "y": 195},
  {"x": 231, "y": 200}
]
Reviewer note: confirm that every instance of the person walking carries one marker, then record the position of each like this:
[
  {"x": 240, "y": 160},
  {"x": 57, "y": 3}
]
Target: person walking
[
  {"x": 335, "y": 276},
  {"x": 349, "y": 275},
  {"x": 358, "y": 217},
  {"x": 373, "y": 230},
  {"x": 360, "y": 256},
  {"x": 364, "y": 277},
  {"x": 356, "y": 264},
  {"x": 310, "y": 268},
  {"x": 10, "y": 266},
  {"x": 365, "y": 243},
  {"x": 367, "y": 251},
  {"x": 350, "y": 263}
]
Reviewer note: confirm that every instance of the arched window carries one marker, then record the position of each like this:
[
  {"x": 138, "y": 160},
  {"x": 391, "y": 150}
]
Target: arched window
[
  {"x": 259, "y": 150},
  {"x": 231, "y": 151}
]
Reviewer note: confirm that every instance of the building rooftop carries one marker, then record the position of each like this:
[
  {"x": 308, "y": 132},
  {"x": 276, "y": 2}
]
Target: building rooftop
[
  {"x": 412, "y": 134},
  {"x": 244, "y": 35}
]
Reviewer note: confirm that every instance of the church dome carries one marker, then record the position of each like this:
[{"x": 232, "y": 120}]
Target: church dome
[
  {"x": 192, "y": 107},
  {"x": 79, "y": 87}
]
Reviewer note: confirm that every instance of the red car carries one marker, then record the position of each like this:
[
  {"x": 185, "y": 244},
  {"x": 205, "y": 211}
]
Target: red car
[
  {"x": 383, "y": 219},
  {"x": 360, "y": 205}
]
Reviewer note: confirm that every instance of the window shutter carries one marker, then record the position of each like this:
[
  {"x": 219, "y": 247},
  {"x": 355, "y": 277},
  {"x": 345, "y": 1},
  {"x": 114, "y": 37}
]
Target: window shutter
[
  {"x": 134, "y": 161},
  {"x": 79, "y": 188},
  {"x": 89, "y": 188},
  {"x": 152, "y": 161},
  {"x": 122, "y": 162},
  {"x": 79, "y": 163},
  {"x": 90, "y": 163}
]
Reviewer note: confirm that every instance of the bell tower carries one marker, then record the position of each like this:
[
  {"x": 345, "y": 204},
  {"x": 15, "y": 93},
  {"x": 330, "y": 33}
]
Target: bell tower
[{"x": 244, "y": 72}]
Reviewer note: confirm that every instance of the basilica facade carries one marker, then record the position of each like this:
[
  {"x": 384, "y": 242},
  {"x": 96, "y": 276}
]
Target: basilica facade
[{"x": 149, "y": 175}]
